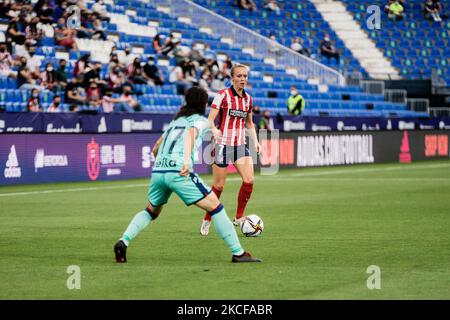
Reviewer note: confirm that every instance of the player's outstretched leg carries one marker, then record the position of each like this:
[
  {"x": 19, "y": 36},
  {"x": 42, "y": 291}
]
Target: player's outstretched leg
[
  {"x": 204, "y": 229},
  {"x": 225, "y": 228},
  {"x": 137, "y": 224}
]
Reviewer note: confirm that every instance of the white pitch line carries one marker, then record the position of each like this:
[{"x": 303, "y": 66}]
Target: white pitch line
[
  {"x": 289, "y": 176},
  {"x": 72, "y": 190}
]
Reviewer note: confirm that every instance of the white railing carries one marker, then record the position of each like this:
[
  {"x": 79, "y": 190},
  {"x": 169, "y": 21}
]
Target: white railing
[
  {"x": 253, "y": 43},
  {"x": 418, "y": 104},
  {"x": 372, "y": 86},
  {"x": 395, "y": 95}
]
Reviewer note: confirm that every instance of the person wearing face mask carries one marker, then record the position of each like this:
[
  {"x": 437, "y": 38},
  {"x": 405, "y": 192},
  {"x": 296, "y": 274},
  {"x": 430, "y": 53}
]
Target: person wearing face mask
[
  {"x": 135, "y": 73},
  {"x": 151, "y": 73},
  {"x": 34, "y": 102},
  {"x": 25, "y": 79},
  {"x": 64, "y": 36},
  {"x": 33, "y": 32},
  {"x": 6, "y": 62},
  {"x": 264, "y": 122},
  {"x": 328, "y": 50},
  {"x": 55, "y": 106},
  {"x": 48, "y": 78},
  {"x": 296, "y": 103},
  {"x": 34, "y": 63},
  {"x": 129, "y": 103},
  {"x": 61, "y": 74}
]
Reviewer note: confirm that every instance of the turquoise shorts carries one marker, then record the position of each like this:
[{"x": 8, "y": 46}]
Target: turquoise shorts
[{"x": 190, "y": 189}]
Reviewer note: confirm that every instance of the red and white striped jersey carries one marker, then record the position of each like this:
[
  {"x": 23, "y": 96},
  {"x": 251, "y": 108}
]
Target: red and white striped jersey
[{"x": 233, "y": 110}]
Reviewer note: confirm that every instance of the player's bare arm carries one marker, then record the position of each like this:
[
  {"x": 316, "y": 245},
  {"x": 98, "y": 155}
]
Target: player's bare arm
[
  {"x": 211, "y": 118},
  {"x": 252, "y": 131},
  {"x": 156, "y": 146},
  {"x": 188, "y": 146}
]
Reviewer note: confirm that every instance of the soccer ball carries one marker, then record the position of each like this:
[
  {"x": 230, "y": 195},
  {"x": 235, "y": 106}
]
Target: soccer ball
[{"x": 252, "y": 226}]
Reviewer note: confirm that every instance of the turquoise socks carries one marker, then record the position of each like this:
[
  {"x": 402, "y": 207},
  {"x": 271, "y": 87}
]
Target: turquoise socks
[
  {"x": 139, "y": 222},
  {"x": 226, "y": 230}
]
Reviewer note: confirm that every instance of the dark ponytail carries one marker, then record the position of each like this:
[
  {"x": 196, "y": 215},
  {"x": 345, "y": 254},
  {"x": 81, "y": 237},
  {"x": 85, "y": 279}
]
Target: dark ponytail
[{"x": 196, "y": 99}]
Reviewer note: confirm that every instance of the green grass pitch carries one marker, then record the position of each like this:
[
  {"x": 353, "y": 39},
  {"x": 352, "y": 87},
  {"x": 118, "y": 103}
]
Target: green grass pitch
[{"x": 323, "y": 228}]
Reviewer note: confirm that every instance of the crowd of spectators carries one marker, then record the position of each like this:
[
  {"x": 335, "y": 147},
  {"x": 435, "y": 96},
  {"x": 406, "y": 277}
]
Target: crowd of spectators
[{"x": 87, "y": 87}]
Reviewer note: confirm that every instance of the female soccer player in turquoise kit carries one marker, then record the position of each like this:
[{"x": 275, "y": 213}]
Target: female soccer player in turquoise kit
[{"x": 173, "y": 172}]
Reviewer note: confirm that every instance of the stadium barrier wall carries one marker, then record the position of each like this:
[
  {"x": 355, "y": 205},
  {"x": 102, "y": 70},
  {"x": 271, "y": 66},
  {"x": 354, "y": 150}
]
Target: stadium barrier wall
[
  {"x": 40, "y": 158},
  {"x": 297, "y": 150},
  {"x": 141, "y": 122}
]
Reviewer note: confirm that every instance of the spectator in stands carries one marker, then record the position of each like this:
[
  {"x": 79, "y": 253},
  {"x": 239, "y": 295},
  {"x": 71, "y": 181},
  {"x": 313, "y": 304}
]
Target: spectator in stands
[
  {"x": 177, "y": 77},
  {"x": 34, "y": 63},
  {"x": 108, "y": 102},
  {"x": 44, "y": 10},
  {"x": 395, "y": 10},
  {"x": 48, "y": 78},
  {"x": 81, "y": 64},
  {"x": 297, "y": 45},
  {"x": 25, "y": 78},
  {"x": 61, "y": 74},
  {"x": 55, "y": 106},
  {"x": 205, "y": 82},
  {"x": 33, "y": 32},
  {"x": 190, "y": 72},
  {"x": 272, "y": 5},
  {"x": 95, "y": 24},
  {"x": 226, "y": 68},
  {"x": 328, "y": 50},
  {"x": 94, "y": 96},
  {"x": 6, "y": 62},
  {"x": 34, "y": 102},
  {"x": 256, "y": 109},
  {"x": 92, "y": 73},
  {"x": 64, "y": 36},
  {"x": 274, "y": 48},
  {"x": 296, "y": 103},
  {"x": 264, "y": 122},
  {"x": 129, "y": 102},
  {"x": 151, "y": 72},
  {"x": 246, "y": 5},
  {"x": 114, "y": 63},
  {"x": 116, "y": 80},
  {"x": 13, "y": 31},
  {"x": 135, "y": 72},
  {"x": 171, "y": 43},
  {"x": 432, "y": 10},
  {"x": 75, "y": 92},
  {"x": 157, "y": 44},
  {"x": 127, "y": 58},
  {"x": 99, "y": 7}
]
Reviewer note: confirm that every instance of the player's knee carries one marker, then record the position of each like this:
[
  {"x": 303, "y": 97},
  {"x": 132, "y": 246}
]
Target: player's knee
[
  {"x": 248, "y": 181},
  {"x": 219, "y": 185},
  {"x": 153, "y": 213}
]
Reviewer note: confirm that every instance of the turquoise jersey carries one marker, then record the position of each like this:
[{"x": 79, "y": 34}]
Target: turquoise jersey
[{"x": 170, "y": 155}]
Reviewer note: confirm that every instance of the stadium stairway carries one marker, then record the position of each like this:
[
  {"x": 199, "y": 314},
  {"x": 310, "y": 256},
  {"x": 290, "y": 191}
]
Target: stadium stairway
[
  {"x": 417, "y": 47},
  {"x": 361, "y": 46},
  {"x": 133, "y": 23}
]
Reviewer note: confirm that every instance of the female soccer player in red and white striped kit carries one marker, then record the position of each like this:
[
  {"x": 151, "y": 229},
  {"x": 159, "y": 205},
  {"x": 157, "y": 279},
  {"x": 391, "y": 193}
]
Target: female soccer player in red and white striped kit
[{"x": 233, "y": 107}]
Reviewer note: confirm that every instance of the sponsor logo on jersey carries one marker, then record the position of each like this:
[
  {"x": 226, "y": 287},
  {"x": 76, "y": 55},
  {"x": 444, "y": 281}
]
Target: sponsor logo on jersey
[
  {"x": 165, "y": 163},
  {"x": 237, "y": 113}
]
